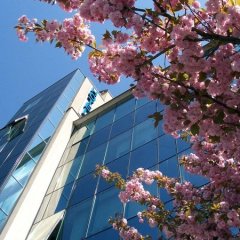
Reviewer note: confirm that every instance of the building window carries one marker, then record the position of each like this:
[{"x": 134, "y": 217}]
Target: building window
[{"x": 16, "y": 127}]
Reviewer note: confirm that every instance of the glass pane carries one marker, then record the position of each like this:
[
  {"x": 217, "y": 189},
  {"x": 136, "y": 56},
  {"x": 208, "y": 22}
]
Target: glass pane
[
  {"x": 105, "y": 235},
  {"x": 182, "y": 145},
  {"x": 196, "y": 180},
  {"x": 99, "y": 138},
  {"x": 81, "y": 134},
  {"x": 76, "y": 82},
  {"x": 143, "y": 112},
  {"x": 164, "y": 195},
  {"x": 160, "y": 128},
  {"x": 3, "y": 219},
  {"x": 85, "y": 188},
  {"x": 92, "y": 158},
  {"x": 58, "y": 200},
  {"x": 46, "y": 130},
  {"x": 63, "y": 103},
  {"x": 76, "y": 221},
  {"x": 16, "y": 128},
  {"x": 35, "y": 146},
  {"x": 104, "y": 120},
  {"x": 125, "y": 108},
  {"x": 78, "y": 149},
  {"x": 23, "y": 171},
  {"x": 141, "y": 101},
  {"x": 145, "y": 156},
  {"x": 170, "y": 167},
  {"x": 42, "y": 208},
  {"x": 107, "y": 204},
  {"x": 69, "y": 173},
  {"x": 160, "y": 106},
  {"x": 69, "y": 93},
  {"x": 122, "y": 125},
  {"x": 167, "y": 147},
  {"x": 55, "y": 116},
  {"x": 120, "y": 165},
  {"x": 9, "y": 195},
  {"x": 119, "y": 146},
  {"x": 144, "y": 132}
]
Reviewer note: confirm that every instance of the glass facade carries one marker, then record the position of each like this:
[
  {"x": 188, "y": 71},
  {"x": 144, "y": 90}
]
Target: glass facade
[
  {"x": 123, "y": 138},
  {"x": 21, "y": 149}
]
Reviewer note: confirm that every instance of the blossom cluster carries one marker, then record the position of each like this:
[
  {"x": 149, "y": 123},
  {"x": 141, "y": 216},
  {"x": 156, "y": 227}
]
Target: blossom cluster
[{"x": 73, "y": 34}]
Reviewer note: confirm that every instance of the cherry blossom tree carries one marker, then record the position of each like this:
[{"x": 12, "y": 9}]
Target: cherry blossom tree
[{"x": 187, "y": 56}]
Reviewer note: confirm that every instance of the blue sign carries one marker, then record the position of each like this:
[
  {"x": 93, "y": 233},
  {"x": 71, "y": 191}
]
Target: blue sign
[{"x": 90, "y": 100}]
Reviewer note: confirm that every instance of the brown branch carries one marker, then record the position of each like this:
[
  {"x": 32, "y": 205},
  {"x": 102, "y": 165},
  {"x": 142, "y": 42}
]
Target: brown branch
[{"x": 214, "y": 36}]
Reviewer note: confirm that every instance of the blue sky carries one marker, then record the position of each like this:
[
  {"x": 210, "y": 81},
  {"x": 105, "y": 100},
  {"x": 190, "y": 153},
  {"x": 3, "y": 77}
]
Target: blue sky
[{"x": 28, "y": 68}]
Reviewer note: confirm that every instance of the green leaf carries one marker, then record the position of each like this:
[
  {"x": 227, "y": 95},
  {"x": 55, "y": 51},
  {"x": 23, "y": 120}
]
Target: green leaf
[
  {"x": 202, "y": 76},
  {"x": 195, "y": 129},
  {"x": 58, "y": 45},
  {"x": 157, "y": 116},
  {"x": 44, "y": 22},
  {"x": 214, "y": 139},
  {"x": 107, "y": 35},
  {"x": 218, "y": 118}
]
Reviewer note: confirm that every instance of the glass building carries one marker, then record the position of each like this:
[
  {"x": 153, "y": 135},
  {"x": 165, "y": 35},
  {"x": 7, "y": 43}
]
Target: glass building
[{"x": 54, "y": 177}]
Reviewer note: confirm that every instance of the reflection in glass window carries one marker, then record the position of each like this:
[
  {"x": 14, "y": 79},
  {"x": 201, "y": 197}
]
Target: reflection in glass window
[
  {"x": 81, "y": 133},
  {"x": 3, "y": 218},
  {"x": 76, "y": 82},
  {"x": 24, "y": 170},
  {"x": 124, "y": 108},
  {"x": 170, "y": 167},
  {"x": 69, "y": 173},
  {"x": 69, "y": 93},
  {"x": 119, "y": 165},
  {"x": 92, "y": 158},
  {"x": 160, "y": 128},
  {"x": 196, "y": 180},
  {"x": 78, "y": 149},
  {"x": 164, "y": 195},
  {"x": 9, "y": 195},
  {"x": 141, "y": 101},
  {"x": 145, "y": 156},
  {"x": 85, "y": 188},
  {"x": 143, "y": 133},
  {"x": 99, "y": 138},
  {"x": 58, "y": 200},
  {"x": 42, "y": 208},
  {"x": 16, "y": 127},
  {"x": 182, "y": 145},
  {"x": 122, "y": 125},
  {"x": 119, "y": 146},
  {"x": 36, "y": 147},
  {"x": 32, "y": 104},
  {"x": 76, "y": 221},
  {"x": 36, "y": 143},
  {"x": 46, "y": 130},
  {"x": 107, "y": 205},
  {"x": 160, "y": 106},
  {"x": 167, "y": 147},
  {"x": 143, "y": 112},
  {"x": 104, "y": 120},
  {"x": 63, "y": 103},
  {"x": 55, "y": 116}
]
